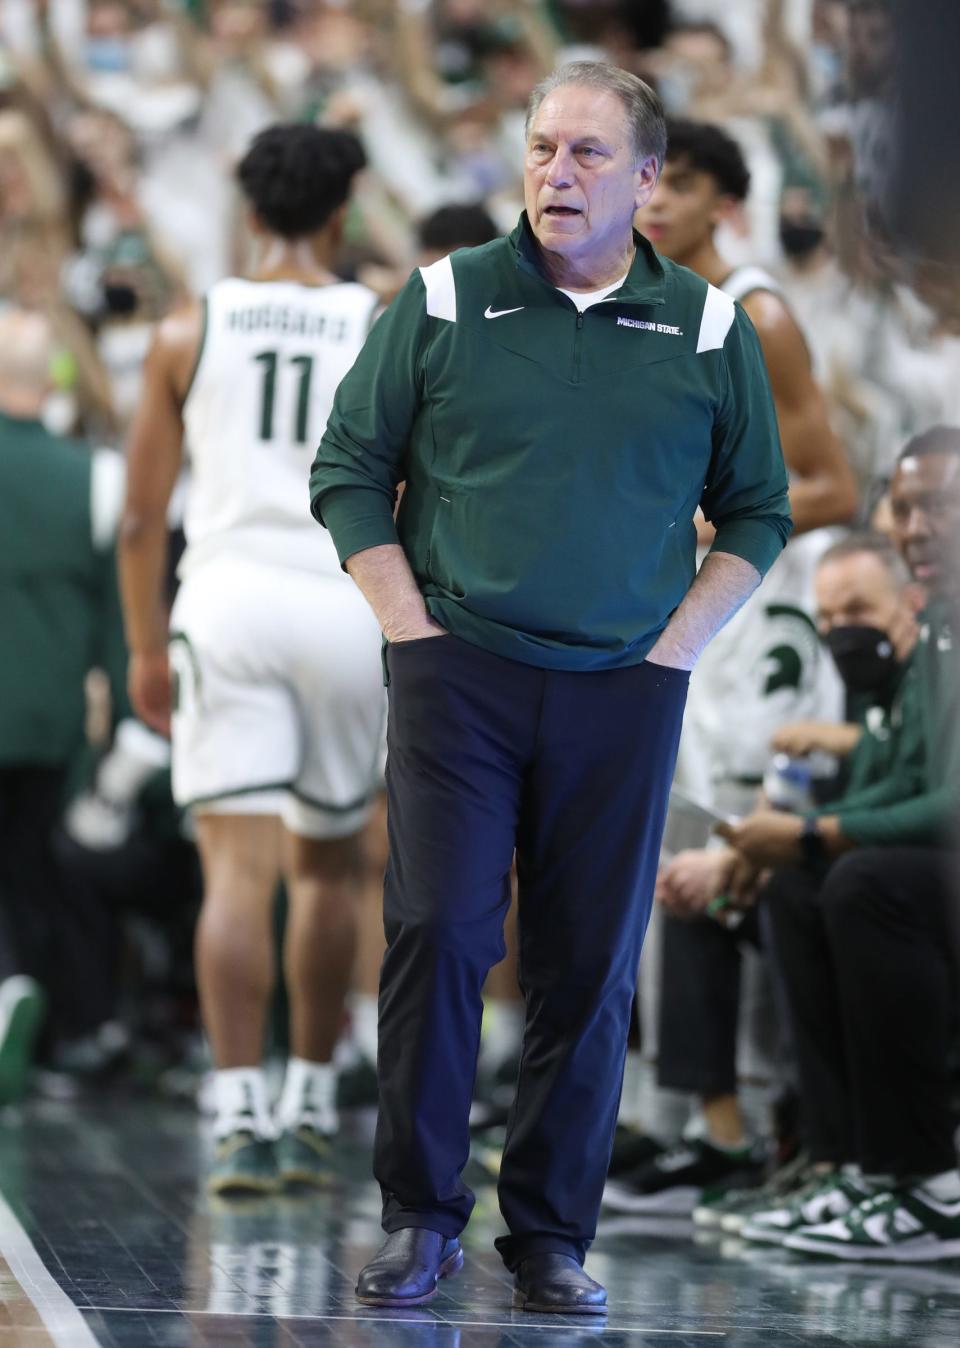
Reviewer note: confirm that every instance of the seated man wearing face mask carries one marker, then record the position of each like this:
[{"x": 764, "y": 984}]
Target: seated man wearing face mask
[
  {"x": 862, "y": 916},
  {"x": 866, "y": 605}
]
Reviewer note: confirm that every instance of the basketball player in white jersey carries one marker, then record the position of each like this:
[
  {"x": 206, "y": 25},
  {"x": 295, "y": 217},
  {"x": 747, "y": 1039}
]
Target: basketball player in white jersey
[
  {"x": 267, "y": 674},
  {"x": 767, "y": 666}
]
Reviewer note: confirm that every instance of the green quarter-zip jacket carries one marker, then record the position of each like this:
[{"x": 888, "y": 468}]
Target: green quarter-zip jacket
[
  {"x": 553, "y": 460},
  {"x": 904, "y": 788}
]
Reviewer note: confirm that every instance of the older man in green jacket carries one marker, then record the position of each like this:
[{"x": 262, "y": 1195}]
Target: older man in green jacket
[{"x": 558, "y": 403}]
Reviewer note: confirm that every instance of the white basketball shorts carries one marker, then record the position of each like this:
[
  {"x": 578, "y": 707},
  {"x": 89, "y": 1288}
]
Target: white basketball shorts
[{"x": 279, "y": 704}]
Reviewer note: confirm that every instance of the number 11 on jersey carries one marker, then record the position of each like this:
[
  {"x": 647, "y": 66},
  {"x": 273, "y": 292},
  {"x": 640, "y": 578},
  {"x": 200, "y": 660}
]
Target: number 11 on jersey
[{"x": 270, "y": 360}]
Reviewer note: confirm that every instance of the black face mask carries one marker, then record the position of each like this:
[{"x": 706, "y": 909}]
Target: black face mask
[
  {"x": 799, "y": 241},
  {"x": 120, "y": 300},
  {"x": 864, "y": 656}
]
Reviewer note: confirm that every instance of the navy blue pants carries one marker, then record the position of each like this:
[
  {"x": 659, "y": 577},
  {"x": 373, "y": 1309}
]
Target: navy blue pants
[{"x": 572, "y": 770}]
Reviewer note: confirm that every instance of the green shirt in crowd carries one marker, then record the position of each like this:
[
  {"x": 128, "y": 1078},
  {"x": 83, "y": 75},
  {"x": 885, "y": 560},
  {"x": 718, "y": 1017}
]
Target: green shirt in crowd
[
  {"x": 904, "y": 784},
  {"x": 59, "y": 607},
  {"x": 554, "y": 460}
]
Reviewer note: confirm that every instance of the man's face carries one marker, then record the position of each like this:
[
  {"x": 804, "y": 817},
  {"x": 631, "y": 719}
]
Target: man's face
[
  {"x": 925, "y": 508},
  {"x": 859, "y": 591},
  {"x": 684, "y": 210},
  {"x": 582, "y": 181}
]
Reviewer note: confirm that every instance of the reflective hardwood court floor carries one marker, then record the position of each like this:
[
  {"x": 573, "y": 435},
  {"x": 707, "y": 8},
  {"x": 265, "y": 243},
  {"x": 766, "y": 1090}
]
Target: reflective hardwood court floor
[{"x": 107, "y": 1238}]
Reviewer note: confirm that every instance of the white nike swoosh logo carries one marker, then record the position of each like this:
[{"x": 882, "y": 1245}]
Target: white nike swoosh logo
[{"x": 499, "y": 313}]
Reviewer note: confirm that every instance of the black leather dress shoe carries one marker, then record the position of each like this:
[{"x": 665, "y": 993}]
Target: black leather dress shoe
[
  {"x": 406, "y": 1270},
  {"x": 555, "y": 1284}
]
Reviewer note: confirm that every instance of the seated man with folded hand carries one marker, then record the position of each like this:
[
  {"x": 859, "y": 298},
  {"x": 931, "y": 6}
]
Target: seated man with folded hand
[
  {"x": 861, "y": 913},
  {"x": 866, "y": 607}
]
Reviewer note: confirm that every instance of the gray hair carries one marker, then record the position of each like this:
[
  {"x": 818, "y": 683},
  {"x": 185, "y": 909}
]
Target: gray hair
[
  {"x": 876, "y": 545},
  {"x": 643, "y": 106}
]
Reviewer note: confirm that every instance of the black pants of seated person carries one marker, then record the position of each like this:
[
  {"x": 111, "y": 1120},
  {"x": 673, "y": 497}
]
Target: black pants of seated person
[
  {"x": 573, "y": 770},
  {"x": 700, "y": 968},
  {"x": 868, "y": 958}
]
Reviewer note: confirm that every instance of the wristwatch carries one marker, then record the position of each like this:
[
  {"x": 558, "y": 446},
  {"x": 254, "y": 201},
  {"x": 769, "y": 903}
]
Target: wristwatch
[{"x": 811, "y": 841}]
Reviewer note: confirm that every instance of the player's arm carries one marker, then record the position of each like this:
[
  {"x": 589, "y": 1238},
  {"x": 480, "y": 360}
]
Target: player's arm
[
  {"x": 154, "y": 454},
  {"x": 822, "y": 486}
]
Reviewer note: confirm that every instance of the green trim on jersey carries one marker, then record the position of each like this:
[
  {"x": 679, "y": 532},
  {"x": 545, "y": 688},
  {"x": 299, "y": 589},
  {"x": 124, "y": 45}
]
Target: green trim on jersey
[
  {"x": 230, "y": 793},
  {"x": 554, "y": 460},
  {"x": 328, "y": 807},
  {"x": 200, "y": 350}
]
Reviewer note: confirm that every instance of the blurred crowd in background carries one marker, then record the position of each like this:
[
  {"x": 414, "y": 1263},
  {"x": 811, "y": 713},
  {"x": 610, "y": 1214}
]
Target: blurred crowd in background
[{"x": 121, "y": 122}]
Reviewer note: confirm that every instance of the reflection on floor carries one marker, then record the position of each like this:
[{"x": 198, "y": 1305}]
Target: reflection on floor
[{"x": 111, "y": 1199}]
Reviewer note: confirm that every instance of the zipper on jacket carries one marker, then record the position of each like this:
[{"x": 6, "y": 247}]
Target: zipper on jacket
[{"x": 577, "y": 342}]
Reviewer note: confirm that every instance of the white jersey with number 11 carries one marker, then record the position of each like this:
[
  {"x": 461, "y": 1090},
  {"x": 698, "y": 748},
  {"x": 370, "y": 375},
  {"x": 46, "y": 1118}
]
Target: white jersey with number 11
[{"x": 271, "y": 358}]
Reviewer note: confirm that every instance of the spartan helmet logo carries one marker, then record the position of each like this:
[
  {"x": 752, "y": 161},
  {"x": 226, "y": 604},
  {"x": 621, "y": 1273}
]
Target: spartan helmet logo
[
  {"x": 791, "y": 657},
  {"x": 784, "y": 669}
]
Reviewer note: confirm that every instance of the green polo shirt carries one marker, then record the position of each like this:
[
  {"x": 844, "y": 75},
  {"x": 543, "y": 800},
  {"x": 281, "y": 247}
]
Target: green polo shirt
[{"x": 554, "y": 460}]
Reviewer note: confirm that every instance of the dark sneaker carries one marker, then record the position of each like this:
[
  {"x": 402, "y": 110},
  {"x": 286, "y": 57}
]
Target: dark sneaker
[
  {"x": 243, "y": 1164},
  {"x": 22, "y": 1007},
  {"x": 901, "y": 1226},
  {"x": 673, "y": 1182},
  {"x": 728, "y": 1209},
  {"x": 631, "y": 1149},
  {"x": 824, "y": 1197},
  {"x": 304, "y": 1156},
  {"x": 357, "y": 1085}
]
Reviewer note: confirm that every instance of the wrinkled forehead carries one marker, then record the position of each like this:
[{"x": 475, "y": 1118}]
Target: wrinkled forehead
[
  {"x": 576, "y": 112},
  {"x": 927, "y": 473}
]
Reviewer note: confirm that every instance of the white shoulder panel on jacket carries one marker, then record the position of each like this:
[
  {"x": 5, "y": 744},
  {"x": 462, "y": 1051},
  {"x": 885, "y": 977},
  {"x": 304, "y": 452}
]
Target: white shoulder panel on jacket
[
  {"x": 441, "y": 290},
  {"x": 719, "y": 312}
]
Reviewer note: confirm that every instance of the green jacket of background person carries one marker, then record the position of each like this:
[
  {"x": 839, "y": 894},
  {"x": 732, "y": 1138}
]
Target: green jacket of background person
[
  {"x": 547, "y": 517},
  {"x": 904, "y": 774},
  {"x": 59, "y": 606}
]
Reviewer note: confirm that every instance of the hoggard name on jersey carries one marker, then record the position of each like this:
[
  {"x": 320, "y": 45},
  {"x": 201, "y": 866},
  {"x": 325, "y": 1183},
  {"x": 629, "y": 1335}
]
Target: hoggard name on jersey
[{"x": 286, "y": 319}]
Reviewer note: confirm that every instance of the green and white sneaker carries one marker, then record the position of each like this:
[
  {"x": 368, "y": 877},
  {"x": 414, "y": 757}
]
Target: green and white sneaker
[
  {"x": 243, "y": 1164},
  {"x": 304, "y": 1156},
  {"x": 729, "y": 1209},
  {"x": 902, "y": 1226},
  {"x": 22, "y": 1008},
  {"x": 823, "y": 1198}
]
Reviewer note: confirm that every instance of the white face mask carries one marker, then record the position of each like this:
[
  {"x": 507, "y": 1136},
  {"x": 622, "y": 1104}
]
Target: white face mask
[{"x": 59, "y": 413}]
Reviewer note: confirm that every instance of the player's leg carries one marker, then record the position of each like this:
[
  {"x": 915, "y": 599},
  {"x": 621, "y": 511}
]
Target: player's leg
[
  {"x": 240, "y": 854},
  {"x": 235, "y": 752},
  {"x": 336, "y": 677},
  {"x": 323, "y": 889}
]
